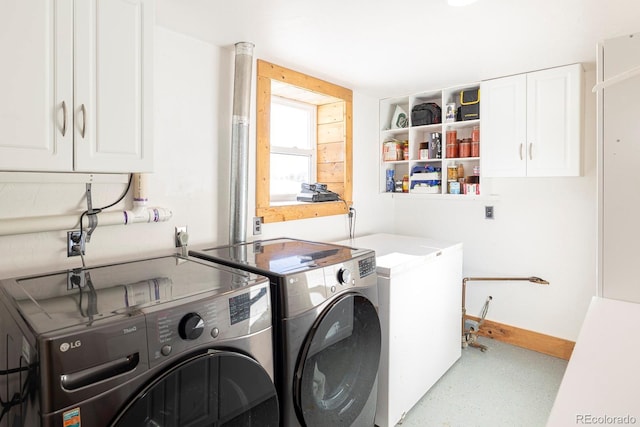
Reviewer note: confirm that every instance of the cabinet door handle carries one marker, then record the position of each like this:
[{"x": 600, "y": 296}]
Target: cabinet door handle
[
  {"x": 84, "y": 120},
  {"x": 521, "y": 158},
  {"x": 531, "y": 151},
  {"x": 64, "y": 118}
]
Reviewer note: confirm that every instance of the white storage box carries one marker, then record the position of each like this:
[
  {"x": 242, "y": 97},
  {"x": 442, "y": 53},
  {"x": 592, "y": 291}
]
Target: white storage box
[{"x": 426, "y": 189}]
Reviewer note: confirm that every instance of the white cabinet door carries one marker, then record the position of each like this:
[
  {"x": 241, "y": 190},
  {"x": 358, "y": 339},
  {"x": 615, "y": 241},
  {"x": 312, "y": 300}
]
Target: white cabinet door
[
  {"x": 503, "y": 131},
  {"x": 35, "y": 85},
  {"x": 554, "y": 111},
  {"x": 113, "y": 60},
  {"x": 531, "y": 124},
  {"x": 620, "y": 150}
]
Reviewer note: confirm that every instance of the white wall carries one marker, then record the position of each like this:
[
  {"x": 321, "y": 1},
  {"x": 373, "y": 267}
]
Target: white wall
[
  {"x": 543, "y": 227},
  {"x": 193, "y": 98}
]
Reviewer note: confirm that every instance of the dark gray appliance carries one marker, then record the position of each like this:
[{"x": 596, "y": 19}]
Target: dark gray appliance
[
  {"x": 167, "y": 341},
  {"x": 326, "y": 326}
]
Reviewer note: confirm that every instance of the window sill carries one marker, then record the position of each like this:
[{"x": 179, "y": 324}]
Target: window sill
[{"x": 301, "y": 210}]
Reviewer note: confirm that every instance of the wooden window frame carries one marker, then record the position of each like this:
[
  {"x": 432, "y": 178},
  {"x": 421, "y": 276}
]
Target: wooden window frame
[{"x": 266, "y": 72}]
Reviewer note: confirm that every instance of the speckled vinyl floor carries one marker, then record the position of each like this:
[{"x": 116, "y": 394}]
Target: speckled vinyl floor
[{"x": 505, "y": 386}]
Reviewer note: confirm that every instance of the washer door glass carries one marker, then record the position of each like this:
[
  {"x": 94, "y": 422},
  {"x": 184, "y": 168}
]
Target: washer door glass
[
  {"x": 337, "y": 368},
  {"x": 212, "y": 389}
]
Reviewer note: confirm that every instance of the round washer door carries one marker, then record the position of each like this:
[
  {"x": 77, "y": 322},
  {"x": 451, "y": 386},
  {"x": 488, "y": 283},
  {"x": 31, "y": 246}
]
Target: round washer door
[
  {"x": 338, "y": 365},
  {"x": 211, "y": 389}
]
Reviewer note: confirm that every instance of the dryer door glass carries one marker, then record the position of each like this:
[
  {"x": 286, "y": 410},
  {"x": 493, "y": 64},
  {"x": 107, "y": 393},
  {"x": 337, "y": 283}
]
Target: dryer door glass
[
  {"x": 212, "y": 389},
  {"x": 338, "y": 365}
]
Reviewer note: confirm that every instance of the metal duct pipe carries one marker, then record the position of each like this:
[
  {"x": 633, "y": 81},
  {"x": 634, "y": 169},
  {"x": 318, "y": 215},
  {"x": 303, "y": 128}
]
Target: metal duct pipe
[{"x": 240, "y": 142}]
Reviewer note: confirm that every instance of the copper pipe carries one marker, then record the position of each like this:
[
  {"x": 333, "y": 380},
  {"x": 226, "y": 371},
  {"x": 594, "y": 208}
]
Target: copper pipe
[{"x": 532, "y": 279}]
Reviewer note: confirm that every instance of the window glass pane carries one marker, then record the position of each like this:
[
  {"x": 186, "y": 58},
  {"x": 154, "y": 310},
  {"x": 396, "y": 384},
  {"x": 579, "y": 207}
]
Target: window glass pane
[
  {"x": 288, "y": 171},
  {"x": 290, "y": 126}
]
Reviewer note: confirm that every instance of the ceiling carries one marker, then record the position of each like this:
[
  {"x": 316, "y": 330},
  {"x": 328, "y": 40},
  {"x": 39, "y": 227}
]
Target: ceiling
[{"x": 397, "y": 47}]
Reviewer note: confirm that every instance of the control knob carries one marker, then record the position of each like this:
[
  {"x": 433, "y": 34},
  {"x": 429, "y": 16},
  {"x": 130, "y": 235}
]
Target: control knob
[
  {"x": 191, "y": 326},
  {"x": 344, "y": 276}
]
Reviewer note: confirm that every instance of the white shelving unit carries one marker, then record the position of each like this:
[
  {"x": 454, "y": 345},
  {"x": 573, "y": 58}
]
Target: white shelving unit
[{"x": 416, "y": 137}]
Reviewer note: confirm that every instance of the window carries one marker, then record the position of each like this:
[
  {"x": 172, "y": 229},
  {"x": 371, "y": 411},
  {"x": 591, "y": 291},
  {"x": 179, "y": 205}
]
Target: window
[
  {"x": 293, "y": 148},
  {"x": 330, "y": 125}
]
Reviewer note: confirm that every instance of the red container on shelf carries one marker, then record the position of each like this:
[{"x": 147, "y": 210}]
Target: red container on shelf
[
  {"x": 475, "y": 148},
  {"x": 475, "y": 134},
  {"x": 452, "y": 151},
  {"x": 452, "y": 136},
  {"x": 465, "y": 149}
]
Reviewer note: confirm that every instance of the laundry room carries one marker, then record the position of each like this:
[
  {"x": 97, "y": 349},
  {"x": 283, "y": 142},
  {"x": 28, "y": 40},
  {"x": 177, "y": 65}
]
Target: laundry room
[{"x": 140, "y": 130}]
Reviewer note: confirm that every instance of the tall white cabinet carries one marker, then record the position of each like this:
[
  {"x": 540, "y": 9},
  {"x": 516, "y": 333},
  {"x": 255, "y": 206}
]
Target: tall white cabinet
[
  {"x": 531, "y": 123},
  {"x": 619, "y": 155},
  {"x": 77, "y": 85}
]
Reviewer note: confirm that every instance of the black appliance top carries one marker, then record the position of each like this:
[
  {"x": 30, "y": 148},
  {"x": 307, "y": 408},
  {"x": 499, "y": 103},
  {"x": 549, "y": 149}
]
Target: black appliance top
[
  {"x": 83, "y": 296},
  {"x": 280, "y": 256}
]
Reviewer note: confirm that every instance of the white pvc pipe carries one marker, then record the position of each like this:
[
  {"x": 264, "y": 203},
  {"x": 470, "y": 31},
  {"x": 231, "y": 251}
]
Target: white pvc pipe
[
  {"x": 140, "y": 198},
  {"x": 138, "y": 215},
  {"x": 27, "y": 225}
]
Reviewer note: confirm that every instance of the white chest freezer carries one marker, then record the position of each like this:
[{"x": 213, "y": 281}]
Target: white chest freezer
[{"x": 420, "y": 291}]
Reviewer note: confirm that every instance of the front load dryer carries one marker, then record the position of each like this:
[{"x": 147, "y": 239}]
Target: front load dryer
[
  {"x": 167, "y": 341},
  {"x": 326, "y": 327}
]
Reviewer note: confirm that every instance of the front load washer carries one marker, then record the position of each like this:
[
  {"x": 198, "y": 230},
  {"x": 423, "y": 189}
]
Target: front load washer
[
  {"x": 326, "y": 326},
  {"x": 167, "y": 341}
]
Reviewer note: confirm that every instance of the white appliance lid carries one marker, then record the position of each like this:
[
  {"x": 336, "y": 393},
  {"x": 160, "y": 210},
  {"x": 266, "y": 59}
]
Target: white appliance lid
[{"x": 398, "y": 252}]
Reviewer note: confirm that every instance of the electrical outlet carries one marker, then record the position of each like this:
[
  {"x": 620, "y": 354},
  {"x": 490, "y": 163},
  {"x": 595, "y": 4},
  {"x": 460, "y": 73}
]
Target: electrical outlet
[
  {"x": 75, "y": 243},
  {"x": 488, "y": 212},
  {"x": 257, "y": 225},
  {"x": 75, "y": 279}
]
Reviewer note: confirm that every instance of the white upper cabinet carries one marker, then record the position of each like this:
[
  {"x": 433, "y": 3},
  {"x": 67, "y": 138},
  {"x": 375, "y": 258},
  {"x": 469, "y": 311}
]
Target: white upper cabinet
[
  {"x": 79, "y": 86},
  {"x": 504, "y": 126},
  {"x": 531, "y": 123},
  {"x": 36, "y": 84},
  {"x": 113, "y": 60},
  {"x": 554, "y": 113}
]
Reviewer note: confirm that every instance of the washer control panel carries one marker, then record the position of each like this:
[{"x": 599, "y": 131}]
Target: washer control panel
[
  {"x": 173, "y": 330},
  {"x": 308, "y": 289},
  {"x": 367, "y": 266}
]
